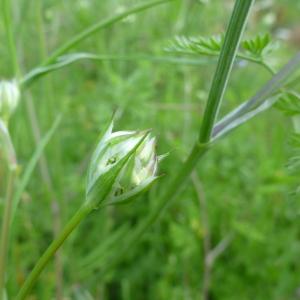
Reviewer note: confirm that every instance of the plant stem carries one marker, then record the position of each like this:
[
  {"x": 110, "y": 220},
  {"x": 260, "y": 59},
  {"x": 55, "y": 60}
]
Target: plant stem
[
  {"x": 51, "y": 250},
  {"x": 10, "y": 36},
  {"x": 5, "y": 231},
  {"x": 228, "y": 53}
]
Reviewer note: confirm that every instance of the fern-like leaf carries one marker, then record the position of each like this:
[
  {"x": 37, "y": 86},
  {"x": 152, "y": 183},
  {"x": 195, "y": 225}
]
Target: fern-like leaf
[
  {"x": 289, "y": 104},
  {"x": 256, "y": 49},
  {"x": 259, "y": 46},
  {"x": 196, "y": 45}
]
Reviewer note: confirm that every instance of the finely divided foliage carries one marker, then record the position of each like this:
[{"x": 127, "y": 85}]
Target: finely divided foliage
[{"x": 257, "y": 49}]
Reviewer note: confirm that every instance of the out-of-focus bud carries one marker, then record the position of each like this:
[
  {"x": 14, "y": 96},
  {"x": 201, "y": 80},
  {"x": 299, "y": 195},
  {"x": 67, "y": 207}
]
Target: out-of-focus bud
[
  {"x": 9, "y": 98},
  {"x": 122, "y": 166}
]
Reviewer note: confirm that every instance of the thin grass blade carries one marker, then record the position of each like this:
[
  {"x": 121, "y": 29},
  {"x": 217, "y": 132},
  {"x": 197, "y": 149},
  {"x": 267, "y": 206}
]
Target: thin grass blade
[
  {"x": 32, "y": 164},
  {"x": 260, "y": 102}
]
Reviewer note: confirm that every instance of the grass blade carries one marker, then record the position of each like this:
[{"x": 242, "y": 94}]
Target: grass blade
[
  {"x": 31, "y": 165},
  {"x": 261, "y": 101}
]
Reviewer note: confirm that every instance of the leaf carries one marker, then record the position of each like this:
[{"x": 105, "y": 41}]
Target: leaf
[
  {"x": 31, "y": 165},
  {"x": 259, "y": 46},
  {"x": 289, "y": 104},
  {"x": 253, "y": 50},
  {"x": 261, "y": 101},
  {"x": 196, "y": 45}
]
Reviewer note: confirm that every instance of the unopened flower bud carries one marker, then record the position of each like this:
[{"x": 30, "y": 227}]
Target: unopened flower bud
[
  {"x": 123, "y": 164},
  {"x": 9, "y": 98}
]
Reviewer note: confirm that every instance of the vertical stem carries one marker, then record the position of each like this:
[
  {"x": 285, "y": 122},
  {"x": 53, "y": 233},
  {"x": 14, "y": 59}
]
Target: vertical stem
[
  {"x": 5, "y": 231},
  {"x": 228, "y": 53},
  {"x": 51, "y": 250},
  {"x": 219, "y": 84},
  {"x": 10, "y": 36}
]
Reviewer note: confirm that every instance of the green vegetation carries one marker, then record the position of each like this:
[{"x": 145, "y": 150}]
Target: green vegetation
[{"x": 223, "y": 221}]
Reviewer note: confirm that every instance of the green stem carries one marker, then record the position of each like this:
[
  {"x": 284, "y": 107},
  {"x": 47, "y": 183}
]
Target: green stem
[
  {"x": 100, "y": 25},
  {"x": 48, "y": 254},
  {"x": 5, "y": 232},
  {"x": 232, "y": 38},
  {"x": 10, "y": 36},
  {"x": 73, "y": 42},
  {"x": 228, "y": 53}
]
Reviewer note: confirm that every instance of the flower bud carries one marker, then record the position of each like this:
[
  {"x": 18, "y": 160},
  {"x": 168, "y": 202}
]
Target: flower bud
[
  {"x": 9, "y": 98},
  {"x": 123, "y": 165}
]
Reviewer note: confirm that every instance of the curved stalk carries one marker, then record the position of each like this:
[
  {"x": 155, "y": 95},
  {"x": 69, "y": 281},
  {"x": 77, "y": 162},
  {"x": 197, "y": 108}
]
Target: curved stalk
[{"x": 73, "y": 42}]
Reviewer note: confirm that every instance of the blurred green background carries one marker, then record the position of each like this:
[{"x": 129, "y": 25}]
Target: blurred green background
[{"x": 241, "y": 206}]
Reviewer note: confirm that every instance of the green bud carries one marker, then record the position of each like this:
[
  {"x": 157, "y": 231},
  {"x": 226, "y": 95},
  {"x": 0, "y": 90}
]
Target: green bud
[
  {"x": 9, "y": 98},
  {"x": 123, "y": 164}
]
